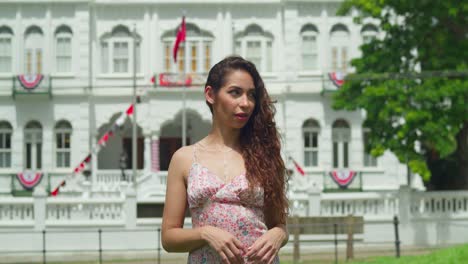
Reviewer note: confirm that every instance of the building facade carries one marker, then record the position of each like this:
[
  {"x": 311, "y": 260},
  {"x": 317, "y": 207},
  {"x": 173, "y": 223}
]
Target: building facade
[{"x": 87, "y": 51}]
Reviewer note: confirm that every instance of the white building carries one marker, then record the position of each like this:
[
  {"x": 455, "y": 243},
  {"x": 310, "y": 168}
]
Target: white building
[{"x": 84, "y": 49}]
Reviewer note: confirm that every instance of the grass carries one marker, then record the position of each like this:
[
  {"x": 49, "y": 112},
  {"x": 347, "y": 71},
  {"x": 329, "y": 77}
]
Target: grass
[{"x": 453, "y": 255}]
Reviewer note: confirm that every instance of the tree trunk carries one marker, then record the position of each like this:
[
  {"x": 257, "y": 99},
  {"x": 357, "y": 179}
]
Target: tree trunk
[{"x": 462, "y": 156}]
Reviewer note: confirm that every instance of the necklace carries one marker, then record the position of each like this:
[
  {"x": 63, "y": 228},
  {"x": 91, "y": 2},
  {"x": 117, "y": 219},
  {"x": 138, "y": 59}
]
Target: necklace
[{"x": 225, "y": 169}]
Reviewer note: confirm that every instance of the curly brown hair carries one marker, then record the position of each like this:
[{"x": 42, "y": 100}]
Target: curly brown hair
[{"x": 259, "y": 140}]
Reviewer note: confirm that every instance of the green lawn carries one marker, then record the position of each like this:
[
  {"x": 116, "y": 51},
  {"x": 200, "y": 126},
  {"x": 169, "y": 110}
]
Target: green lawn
[{"x": 453, "y": 255}]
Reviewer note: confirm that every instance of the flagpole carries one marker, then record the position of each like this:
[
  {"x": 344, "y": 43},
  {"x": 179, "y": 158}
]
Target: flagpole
[
  {"x": 184, "y": 117},
  {"x": 134, "y": 124}
]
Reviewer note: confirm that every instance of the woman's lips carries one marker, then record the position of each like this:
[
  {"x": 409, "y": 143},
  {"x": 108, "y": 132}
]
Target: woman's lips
[{"x": 242, "y": 117}]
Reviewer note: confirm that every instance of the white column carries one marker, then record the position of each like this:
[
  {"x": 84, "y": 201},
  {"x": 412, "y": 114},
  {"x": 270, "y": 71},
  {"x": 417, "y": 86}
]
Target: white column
[
  {"x": 40, "y": 197},
  {"x": 155, "y": 163},
  {"x": 94, "y": 165},
  {"x": 228, "y": 33},
  {"x": 324, "y": 36}
]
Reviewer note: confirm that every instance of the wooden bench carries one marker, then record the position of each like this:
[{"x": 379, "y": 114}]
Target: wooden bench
[{"x": 323, "y": 225}]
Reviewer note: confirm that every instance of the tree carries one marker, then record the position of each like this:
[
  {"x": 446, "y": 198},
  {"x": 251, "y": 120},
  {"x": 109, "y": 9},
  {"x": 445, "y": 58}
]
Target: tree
[{"x": 412, "y": 83}]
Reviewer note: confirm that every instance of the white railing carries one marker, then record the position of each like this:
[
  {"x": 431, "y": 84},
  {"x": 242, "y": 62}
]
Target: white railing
[
  {"x": 16, "y": 209},
  {"x": 366, "y": 204},
  {"x": 440, "y": 203},
  {"x": 85, "y": 210}
]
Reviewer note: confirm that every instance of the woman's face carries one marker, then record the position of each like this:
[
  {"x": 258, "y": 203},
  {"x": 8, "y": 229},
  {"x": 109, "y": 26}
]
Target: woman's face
[{"x": 235, "y": 101}]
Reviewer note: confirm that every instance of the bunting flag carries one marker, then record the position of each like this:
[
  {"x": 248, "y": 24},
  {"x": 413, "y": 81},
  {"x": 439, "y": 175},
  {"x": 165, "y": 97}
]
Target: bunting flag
[
  {"x": 337, "y": 78},
  {"x": 100, "y": 144},
  {"x": 30, "y": 81},
  {"x": 343, "y": 178},
  {"x": 298, "y": 167},
  {"x": 29, "y": 179},
  {"x": 180, "y": 37}
]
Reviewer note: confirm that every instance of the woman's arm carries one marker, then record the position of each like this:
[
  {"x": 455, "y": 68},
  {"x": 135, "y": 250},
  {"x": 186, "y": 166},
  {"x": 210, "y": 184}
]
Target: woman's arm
[
  {"x": 174, "y": 237},
  {"x": 177, "y": 239}
]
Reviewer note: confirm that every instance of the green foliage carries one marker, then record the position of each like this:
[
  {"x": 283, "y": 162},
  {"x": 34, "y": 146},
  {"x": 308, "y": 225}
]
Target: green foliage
[{"x": 408, "y": 81}]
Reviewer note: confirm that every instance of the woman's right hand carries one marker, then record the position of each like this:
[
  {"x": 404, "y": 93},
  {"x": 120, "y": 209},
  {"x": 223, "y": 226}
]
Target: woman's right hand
[{"x": 229, "y": 248}]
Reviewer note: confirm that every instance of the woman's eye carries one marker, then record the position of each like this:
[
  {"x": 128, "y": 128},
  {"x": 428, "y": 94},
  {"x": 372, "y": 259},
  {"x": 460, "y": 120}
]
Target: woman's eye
[{"x": 234, "y": 92}]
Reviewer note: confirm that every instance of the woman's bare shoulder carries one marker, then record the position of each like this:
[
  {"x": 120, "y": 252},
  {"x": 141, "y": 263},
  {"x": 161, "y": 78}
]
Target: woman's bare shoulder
[{"x": 182, "y": 160}]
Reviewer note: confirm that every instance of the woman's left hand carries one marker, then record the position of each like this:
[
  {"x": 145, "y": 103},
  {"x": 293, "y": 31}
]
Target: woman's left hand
[{"x": 265, "y": 249}]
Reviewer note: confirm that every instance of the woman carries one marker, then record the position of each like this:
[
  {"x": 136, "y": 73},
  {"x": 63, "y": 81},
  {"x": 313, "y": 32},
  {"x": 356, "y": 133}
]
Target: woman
[{"x": 233, "y": 180}]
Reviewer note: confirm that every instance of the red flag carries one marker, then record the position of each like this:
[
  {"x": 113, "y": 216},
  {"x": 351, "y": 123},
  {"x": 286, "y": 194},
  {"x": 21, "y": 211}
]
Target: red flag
[
  {"x": 298, "y": 168},
  {"x": 129, "y": 110},
  {"x": 180, "y": 37},
  {"x": 56, "y": 190}
]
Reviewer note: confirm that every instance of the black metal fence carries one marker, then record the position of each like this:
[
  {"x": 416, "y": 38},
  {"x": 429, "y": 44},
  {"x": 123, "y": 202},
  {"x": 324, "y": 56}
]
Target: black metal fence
[{"x": 339, "y": 234}]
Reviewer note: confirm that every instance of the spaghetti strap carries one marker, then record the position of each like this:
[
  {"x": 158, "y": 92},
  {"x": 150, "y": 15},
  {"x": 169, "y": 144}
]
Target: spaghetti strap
[{"x": 194, "y": 156}]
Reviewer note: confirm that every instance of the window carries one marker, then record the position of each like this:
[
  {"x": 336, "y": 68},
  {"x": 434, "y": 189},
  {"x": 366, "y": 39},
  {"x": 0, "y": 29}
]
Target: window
[
  {"x": 193, "y": 55},
  {"x": 339, "y": 40},
  {"x": 310, "y": 132},
  {"x": 6, "y": 36},
  {"x": 341, "y": 135},
  {"x": 117, "y": 51},
  {"x": 207, "y": 56},
  {"x": 120, "y": 57},
  {"x": 5, "y": 144},
  {"x": 255, "y": 45},
  {"x": 33, "y": 145},
  {"x": 369, "y": 160},
  {"x": 368, "y": 32},
  {"x": 63, "y": 131},
  {"x": 309, "y": 48},
  {"x": 33, "y": 50},
  {"x": 63, "y": 49}
]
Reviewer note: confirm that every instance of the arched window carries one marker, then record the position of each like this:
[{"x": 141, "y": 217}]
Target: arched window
[
  {"x": 256, "y": 45},
  {"x": 339, "y": 42},
  {"x": 63, "y": 131},
  {"x": 63, "y": 49},
  {"x": 33, "y": 145},
  {"x": 33, "y": 52},
  {"x": 309, "y": 47},
  {"x": 5, "y": 144},
  {"x": 117, "y": 51},
  {"x": 369, "y": 160},
  {"x": 368, "y": 33},
  {"x": 6, "y": 36},
  {"x": 341, "y": 136},
  {"x": 194, "y": 54},
  {"x": 310, "y": 132}
]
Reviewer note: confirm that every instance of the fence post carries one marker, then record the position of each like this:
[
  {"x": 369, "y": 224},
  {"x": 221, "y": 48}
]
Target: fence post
[
  {"x": 350, "y": 240},
  {"x": 44, "y": 261},
  {"x": 314, "y": 195},
  {"x": 40, "y": 197},
  {"x": 404, "y": 214},
  {"x": 397, "y": 236},
  {"x": 159, "y": 245},
  {"x": 335, "y": 230},
  {"x": 130, "y": 208},
  {"x": 100, "y": 245},
  {"x": 296, "y": 251}
]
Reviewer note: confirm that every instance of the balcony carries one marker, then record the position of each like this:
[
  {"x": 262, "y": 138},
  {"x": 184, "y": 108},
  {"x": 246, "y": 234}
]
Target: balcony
[{"x": 34, "y": 84}]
